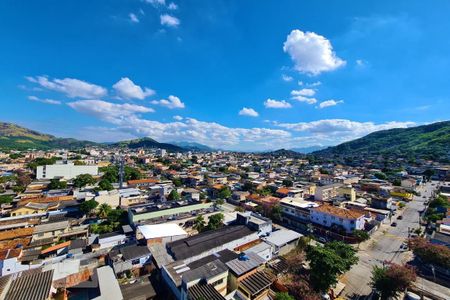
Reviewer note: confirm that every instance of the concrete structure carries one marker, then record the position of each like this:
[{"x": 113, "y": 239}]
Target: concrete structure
[
  {"x": 329, "y": 216},
  {"x": 327, "y": 192},
  {"x": 282, "y": 241},
  {"x": 160, "y": 233},
  {"x": 64, "y": 170}
]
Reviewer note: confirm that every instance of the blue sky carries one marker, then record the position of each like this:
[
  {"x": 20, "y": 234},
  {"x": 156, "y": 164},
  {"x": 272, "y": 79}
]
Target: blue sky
[{"x": 241, "y": 75}]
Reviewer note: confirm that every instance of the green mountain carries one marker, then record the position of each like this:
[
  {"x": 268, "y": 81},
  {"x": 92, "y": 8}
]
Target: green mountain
[
  {"x": 14, "y": 137},
  {"x": 428, "y": 141},
  {"x": 148, "y": 143}
]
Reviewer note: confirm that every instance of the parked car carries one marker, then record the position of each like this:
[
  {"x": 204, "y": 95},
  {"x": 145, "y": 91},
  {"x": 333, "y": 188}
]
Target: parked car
[
  {"x": 394, "y": 224},
  {"x": 400, "y": 217}
]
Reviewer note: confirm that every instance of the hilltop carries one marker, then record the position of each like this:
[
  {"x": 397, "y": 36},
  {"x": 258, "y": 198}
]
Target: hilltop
[
  {"x": 427, "y": 141},
  {"x": 15, "y": 137}
]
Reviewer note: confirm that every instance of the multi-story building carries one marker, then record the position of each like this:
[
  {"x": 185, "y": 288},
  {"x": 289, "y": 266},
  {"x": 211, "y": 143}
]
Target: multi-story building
[
  {"x": 65, "y": 170},
  {"x": 330, "y": 216}
]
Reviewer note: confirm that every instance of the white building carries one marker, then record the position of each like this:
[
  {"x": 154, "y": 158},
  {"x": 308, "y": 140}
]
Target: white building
[
  {"x": 64, "y": 170},
  {"x": 328, "y": 216}
]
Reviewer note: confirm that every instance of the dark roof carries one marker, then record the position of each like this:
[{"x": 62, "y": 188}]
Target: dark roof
[
  {"x": 245, "y": 263},
  {"x": 134, "y": 251},
  {"x": 203, "y": 242},
  {"x": 77, "y": 244},
  {"x": 257, "y": 282},
  {"x": 224, "y": 256},
  {"x": 35, "y": 286},
  {"x": 141, "y": 289},
  {"x": 278, "y": 264},
  {"x": 206, "y": 271},
  {"x": 204, "y": 291}
]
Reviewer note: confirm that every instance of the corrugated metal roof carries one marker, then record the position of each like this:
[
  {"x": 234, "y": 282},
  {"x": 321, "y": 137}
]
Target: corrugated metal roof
[
  {"x": 35, "y": 286},
  {"x": 241, "y": 265}
]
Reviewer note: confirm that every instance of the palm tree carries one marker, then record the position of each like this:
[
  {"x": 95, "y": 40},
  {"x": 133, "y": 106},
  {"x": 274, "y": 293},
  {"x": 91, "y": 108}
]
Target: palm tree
[
  {"x": 199, "y": 223},
  {"x": 103, "y": 210}
]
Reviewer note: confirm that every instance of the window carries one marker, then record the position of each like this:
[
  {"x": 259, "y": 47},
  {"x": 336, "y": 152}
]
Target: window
[{"x": 220, "y": 281}]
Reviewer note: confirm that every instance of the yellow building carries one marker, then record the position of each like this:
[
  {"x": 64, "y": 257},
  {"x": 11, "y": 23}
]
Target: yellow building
[{"x": 29, "y": 209}]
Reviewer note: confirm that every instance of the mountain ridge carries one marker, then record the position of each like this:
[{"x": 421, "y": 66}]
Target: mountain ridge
[{"x": 431, "y": 141}]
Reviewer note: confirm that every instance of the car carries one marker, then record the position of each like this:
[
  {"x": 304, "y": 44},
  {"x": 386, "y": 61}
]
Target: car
[
  {"x": 424, "y": 196},
  {"x": 400, "y": 218},
  {"x": 394, "y": 224}
]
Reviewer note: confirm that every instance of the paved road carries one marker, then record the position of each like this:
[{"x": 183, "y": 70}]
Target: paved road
[{"x": 385, "y": 246}]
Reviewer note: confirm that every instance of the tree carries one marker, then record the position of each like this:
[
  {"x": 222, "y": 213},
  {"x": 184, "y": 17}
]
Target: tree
[
  {"x": 428, "y": 173},
  {"x": 361, "y": 235},
  {"x": 83, "y": 180},
  {"x": 224, "y": 193},
  {"x": 88, "y": 206},
  {"x": 430, "y": 253},
  {"x": 79, "y": 163},
  {"x": 105, "y": 185},
  {"x": 328, "y": 262},
  {"x": 103, "y": 210},
  {"x": 215, "y": 221},
  {"x": 177, "y": 181},
  {"x": 283, "y": 296},
  {"x": 276, "y": 212},
  {"x": 380, "y": 175},
  {"x": 392, "y": 279},
  {"x": 56, "y": 184},
  {"x": 6, "y": 198},
  {"x": 110, "y": 174},
  {"x": 199, "y": 223},
  {"x": 288, "y": 183},
  {"x": 173, "y": 196}
]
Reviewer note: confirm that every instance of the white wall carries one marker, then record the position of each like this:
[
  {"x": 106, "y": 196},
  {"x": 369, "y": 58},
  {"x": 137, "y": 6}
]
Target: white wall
[{"x": 67, "y": 171}]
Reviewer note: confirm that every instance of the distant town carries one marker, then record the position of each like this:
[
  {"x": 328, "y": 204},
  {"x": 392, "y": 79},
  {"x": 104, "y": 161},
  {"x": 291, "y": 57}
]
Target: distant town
[{"x": 147, "y": 223}]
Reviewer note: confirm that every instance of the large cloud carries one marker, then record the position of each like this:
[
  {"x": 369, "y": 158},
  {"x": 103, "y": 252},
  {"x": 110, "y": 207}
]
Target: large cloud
[
  {"x": 127, "y": 118},
  {"x": 73, "y": 88},
  {"x": 107, "y": 111},
  {"x": 337, "y": 126},
  {"x": 127, "y": 89},
  {"x": 312, "y": 53}
]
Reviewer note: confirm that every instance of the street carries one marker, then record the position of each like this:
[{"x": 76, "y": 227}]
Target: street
[{"x": 385, "y": 246}]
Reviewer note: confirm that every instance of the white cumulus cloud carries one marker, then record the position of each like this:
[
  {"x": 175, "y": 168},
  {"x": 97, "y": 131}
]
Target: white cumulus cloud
[
  {"x": 108, "y": 111},
  {"x": 171, "y": 102},
  {"x": 303, "y": 92},
  {"x": 305, "y": 99},
  {"x": 73, "y": 88},
  {"x": 329, "y": 103},
  {"x": 250, "y": 112},
  {"x": 271, "y": 103},
  {"x": 127, "y": 89},
  {"x": 178, "y": 118},
  {"x": 169, "y": 20},
  {"x": 312, "y": 53}
]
